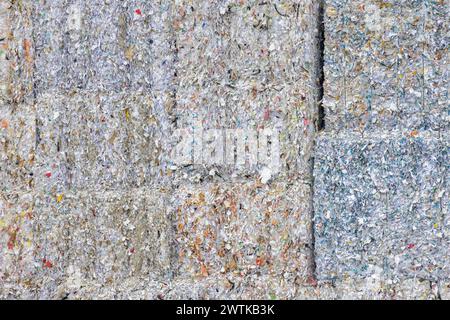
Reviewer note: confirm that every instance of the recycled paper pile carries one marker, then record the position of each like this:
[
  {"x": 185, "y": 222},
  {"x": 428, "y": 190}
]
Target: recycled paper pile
[
  {"x": 381, "y": 165},
  {"x": 94, "y": 95}
]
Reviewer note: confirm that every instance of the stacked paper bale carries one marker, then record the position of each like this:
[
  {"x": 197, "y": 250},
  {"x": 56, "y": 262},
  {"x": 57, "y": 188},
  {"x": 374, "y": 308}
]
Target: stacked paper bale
[
  {"x": 248, "y": 65},
  {"x": 99, "y": 153},
  {"x": 81, "y": 144},
  {"x": 381, "y": 166},
  {"x": 385, "y": 64},
  {"x": 94, "y": 93},
  {"x": 17, "y": 136},
  {"x": 94, "y": 205},
  {"x": 245, "y": 65}
]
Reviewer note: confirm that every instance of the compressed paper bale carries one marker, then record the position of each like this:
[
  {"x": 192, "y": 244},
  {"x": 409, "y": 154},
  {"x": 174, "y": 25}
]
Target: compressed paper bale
[
  {"x": 75, "y": 47},
  {"x": 61, "y": 36},
  {"x": 340, "y": 105},
  {"x": 285, "y": 80},
  {"x": 4, "y": 34},
  {"x": 214, "y": 72},
  {"x": 152, "y": 68},
  {"x": 435, "y": 64},
  {"x": 135, "y": 232},
  {"x": 106, "y": 236},
  {"x": 374, "y": 288},
  {"x": 340, "y": 215},
  {"x": 218, "y": 287},
  {"x": 20, "y": 53},
  {"x": 141, "y": 48},
  {"x": 248, "y": 288},
  {"x": 16, "y": 52},
  {"x": 108, "y": 30},
  {"x": 242, "y": 229},
  {"x": 150, "y": 45},
  {"x": 415, "y": 202},
  {"x": 136, "y": 288},
  {"x": 222, "y": 288},
  {"x": 414, "y": 289},
  {"x": 411, "y": 86},
  {"x": 145, "y": 125},
  {"x": 145, "y": 288},
  {"x": 130, "y": 289},
  {"x": 375, "y": 64},
  {"x": 347, "y": 98},
  {"x": 16, "y": 235},
  {"x": 126, "y": 64},
  {"x": 51, "y": 168},
  {"x": 247, "y": 66},
  {"x": 97, "y": 139},
  {"x": 257, "y": 287},
  {"x": 322, "y": 292},
  {"x": 17, "y": 147},
  {"x": 65, "y": 240},
  {"x": 273, "y": 288},
  {"x": 371, "y": 289},
  {"x": 411, "y": 289},
  {"x": 162, "y": 72},
  {"x": 98, "y": 46},
  {"x": 78, "y": 45},
  {"x": 137, "y": 43},
  {"x": 377, "y": 206},
  {"x": 263, "y": 287}
]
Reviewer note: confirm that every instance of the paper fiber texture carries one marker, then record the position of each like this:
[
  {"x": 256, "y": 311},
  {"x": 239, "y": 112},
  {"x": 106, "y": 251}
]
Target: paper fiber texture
[
  {"x": 381, "y": 164},
  {"x": 193, "y": 150},
  {"x": 386, "y": 65}
]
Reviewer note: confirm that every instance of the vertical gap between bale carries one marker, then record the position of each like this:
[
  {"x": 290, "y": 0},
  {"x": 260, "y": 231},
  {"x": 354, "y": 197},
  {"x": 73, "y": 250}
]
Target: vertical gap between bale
[
  {"x": 320, "y": 125},
  {"x": 320, "y": 66},
  {"x": 320, "y": 47}
]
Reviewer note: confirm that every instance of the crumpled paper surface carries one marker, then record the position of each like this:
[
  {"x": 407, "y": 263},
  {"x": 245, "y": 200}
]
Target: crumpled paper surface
[
  {"x": 381, "y": 164},
  {"x": 379, "y": 206},
  {"x": 93, "y": 205},
  {"x": 244, "y": 229},
  {"x": 386, "y": 65},
  {"x": 92, "y": 94}
]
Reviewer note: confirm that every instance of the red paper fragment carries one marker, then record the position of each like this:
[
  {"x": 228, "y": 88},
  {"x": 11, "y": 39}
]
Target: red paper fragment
[
  {"x": 259, "y": 261},
  {"x": 47, "y": 263},
  {"x": 10, "y": 244}
]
